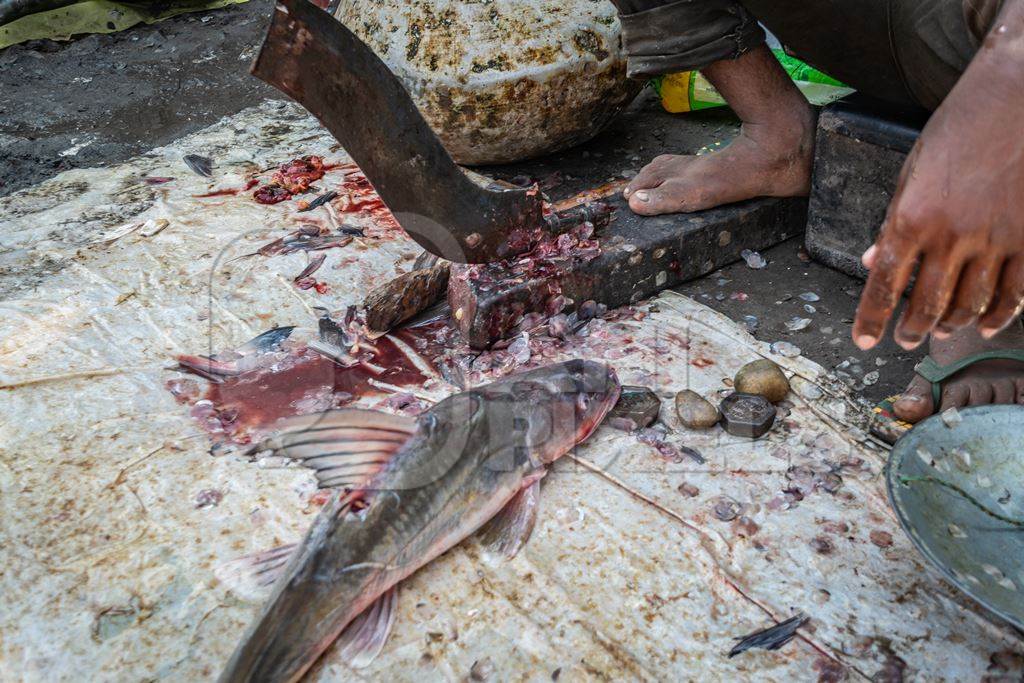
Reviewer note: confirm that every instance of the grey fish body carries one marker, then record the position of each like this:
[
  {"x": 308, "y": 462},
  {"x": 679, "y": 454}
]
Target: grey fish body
[{"x": 467, "y": 458}]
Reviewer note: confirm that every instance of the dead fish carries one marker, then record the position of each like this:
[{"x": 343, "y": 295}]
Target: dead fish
[
  {"x": 403, "y": 297},
  {"x": 408, "y": 490},
  {"x": 200, "y": 165},
  {"x": 302, "y": 241},
  {"x": 771, "y": 638}
]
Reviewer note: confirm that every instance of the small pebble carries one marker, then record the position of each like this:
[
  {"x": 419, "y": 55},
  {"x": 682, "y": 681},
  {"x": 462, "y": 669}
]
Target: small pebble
[
  {"x": 694, "y": 411},
  {"x": 751, "y": 322},
  {"x": 809, "y": 296},
  {"x": 871, "y": 378},
  {"x": 956, "y": 532},
  {"x": 810, "y": 309}
]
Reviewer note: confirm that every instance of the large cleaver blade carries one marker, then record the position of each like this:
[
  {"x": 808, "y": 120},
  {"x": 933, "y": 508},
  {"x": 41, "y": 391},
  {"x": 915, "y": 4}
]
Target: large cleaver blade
[{"x": 317, "y": 61}]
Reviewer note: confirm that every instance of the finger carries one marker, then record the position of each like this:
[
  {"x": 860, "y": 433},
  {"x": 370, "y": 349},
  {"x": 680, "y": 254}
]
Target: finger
[
  {"x": 894, "y": 261},
  {"x": 1008, "y": 300},
  {"x": 651, "y": 175},
  {"x": 933, "y": 290},
  {"x": 974, "y": 292},
  {"x": 868, "y": 257}
]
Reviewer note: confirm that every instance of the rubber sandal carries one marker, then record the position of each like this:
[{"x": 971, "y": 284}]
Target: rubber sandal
[
  {"x": 884, "y": 423},
  {"x": 886, "y": 426}
]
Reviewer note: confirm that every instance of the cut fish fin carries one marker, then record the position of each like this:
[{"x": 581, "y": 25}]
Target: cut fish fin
[
  {"x": 345, "y": 447},
  {"x": 270, "y": 340},
  {"x": 251, "y": 576},
  {"x": 348, "y": 418},
  {"x": 508, "y": 531},
  {"x": 364, "y": 638}
]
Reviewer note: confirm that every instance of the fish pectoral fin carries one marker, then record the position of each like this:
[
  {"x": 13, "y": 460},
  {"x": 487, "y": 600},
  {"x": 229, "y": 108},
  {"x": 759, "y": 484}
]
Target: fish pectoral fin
[
  {"x": 345, "y": 447},
  {"x": 508, "y": 531},
  {"x": 252, "y": 576},
  {"x": 364, "y": 638}
]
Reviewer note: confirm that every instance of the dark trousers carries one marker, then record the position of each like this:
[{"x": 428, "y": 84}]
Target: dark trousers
[{"x": 908, "y": 52}]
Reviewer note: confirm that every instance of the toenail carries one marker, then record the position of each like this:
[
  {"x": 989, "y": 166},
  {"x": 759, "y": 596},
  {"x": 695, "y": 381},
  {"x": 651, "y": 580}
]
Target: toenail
[
  {"x": 911, "y": 398},
  {"x": 988, "y": 332},
  {"x": 642, "y": 196}
]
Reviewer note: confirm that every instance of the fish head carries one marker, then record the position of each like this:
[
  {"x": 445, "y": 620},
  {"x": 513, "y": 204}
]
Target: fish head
[
  {"x": 597, "y": 392},
  {"x": 558, "y": 406}
]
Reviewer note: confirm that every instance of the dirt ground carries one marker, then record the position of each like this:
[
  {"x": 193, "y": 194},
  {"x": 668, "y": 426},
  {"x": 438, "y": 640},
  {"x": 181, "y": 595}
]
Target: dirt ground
[{"x": 99, "y": 99}]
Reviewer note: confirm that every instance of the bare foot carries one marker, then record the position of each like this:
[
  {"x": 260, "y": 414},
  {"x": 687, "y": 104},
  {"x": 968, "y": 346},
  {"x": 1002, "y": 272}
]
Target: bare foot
[
  {"x": 993, "y": 381},
  {"x": 771, "y": 157}
]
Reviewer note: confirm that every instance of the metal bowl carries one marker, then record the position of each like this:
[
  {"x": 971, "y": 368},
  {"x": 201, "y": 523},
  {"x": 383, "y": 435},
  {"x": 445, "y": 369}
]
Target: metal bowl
[{"x": 980, "y": 554}]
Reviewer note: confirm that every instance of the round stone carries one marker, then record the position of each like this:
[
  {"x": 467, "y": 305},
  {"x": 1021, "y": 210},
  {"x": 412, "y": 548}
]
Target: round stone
[
  {"x": 694, "y": 411},
  {"x": 762, "y": 378}
]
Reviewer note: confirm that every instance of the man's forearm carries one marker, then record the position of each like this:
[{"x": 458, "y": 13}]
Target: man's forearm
[{"x": 998, "y": 66}]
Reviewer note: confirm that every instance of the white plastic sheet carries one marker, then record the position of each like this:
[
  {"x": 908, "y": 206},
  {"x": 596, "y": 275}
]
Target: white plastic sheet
[{"x": 107, "y": 562}]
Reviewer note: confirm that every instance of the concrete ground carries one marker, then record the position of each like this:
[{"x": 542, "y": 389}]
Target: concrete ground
[{"x": 100, "y": 99}]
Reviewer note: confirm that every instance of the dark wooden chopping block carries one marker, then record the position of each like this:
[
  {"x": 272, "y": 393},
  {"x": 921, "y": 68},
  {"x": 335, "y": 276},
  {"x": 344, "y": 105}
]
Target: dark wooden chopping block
[
  {"x": 639, "y": 257},
  {"x": 859, "y": 151}
]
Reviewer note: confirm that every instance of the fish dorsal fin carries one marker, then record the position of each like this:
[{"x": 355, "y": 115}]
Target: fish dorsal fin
[
  {"x": 345, "y": 447},
  {"x": 251, "y": 576},
  {"x": 364, "y": 638},
  {"x": 508, "y": 531}
]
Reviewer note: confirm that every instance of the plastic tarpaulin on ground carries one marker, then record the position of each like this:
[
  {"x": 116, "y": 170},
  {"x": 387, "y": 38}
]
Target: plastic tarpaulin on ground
[{"x": 642, "y": 566}]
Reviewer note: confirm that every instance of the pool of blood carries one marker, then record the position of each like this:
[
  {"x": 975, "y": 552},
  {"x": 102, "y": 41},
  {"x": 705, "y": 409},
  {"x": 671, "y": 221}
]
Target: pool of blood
[
  {"x": 304, "y": 381},
  {"x": 358, "y": 196}
]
